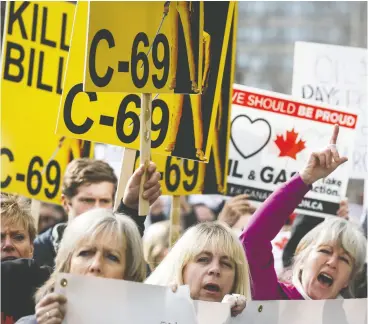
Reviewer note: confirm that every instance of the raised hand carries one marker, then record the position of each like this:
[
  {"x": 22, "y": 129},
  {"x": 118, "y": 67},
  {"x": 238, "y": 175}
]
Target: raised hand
[
  {"x": 152, "y": 187},
  {"x": 343, "y": 210},
  {"x": 323, "y": 163},
  {"x": 234, "y": 208}
]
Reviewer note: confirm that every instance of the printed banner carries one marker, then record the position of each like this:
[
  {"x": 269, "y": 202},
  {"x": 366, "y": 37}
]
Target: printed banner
[
  {"x": 147, "y": 47},
  {"x": 35, "y": 49},
  {"x": 272, "y": 136},
  {"x": 336, "y": 75},
  {"x": 182, "y": 125},
  {"x": 332, "y": 311},
  {"x": 183, "y": 176},
  {"x": 93, "y": 300}
]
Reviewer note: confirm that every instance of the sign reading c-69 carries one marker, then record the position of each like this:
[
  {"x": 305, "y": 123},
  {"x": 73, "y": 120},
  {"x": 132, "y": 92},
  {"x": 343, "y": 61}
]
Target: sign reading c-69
[
  {"x": 147, "y": 47},
  {"x": 113, "y": 118}
]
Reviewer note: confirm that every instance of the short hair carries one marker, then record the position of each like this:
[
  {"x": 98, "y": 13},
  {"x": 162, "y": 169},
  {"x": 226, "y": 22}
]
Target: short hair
[
  {"x": 86, "y": 171},
  {"x": 155, "y": 242},
  {"x": 90, "y": 225},
  {"x": 334, "y": 229},
  {"x": 214, "y": 236},
  {"x": 17, "y": 210}
]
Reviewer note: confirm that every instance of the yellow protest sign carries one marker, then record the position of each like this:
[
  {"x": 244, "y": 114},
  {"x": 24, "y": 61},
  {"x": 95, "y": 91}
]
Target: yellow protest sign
[
  {"x": 184, "y": 177},
  {"x": 145, "y": 46},
  {"x": 182, "y": 125},
  {"x": 35, "y": 49}
]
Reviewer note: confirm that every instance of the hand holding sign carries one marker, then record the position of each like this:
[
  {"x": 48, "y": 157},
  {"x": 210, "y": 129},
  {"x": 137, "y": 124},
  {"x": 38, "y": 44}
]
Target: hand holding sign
[
  {"x": 51, "y": 309},
  {"x": 152, "y": 187},
  {"x": 323, "y": 163}
]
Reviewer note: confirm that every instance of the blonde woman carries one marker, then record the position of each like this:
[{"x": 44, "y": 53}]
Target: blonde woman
[
  {"x": 156, "y": 243},
  {"x": 97, "y": 243},
  {"x": 210, "y": 259},
  {"x": 328, "y": 259}
]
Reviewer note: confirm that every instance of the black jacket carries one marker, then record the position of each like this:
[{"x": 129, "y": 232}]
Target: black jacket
[
  {"x": 47, "y": 243},
  {"x": 19, "y": 280}
]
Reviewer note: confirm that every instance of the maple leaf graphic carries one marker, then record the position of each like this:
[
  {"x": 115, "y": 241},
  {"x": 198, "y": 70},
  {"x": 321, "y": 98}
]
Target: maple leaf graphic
[{"x": 289, "y": 146}]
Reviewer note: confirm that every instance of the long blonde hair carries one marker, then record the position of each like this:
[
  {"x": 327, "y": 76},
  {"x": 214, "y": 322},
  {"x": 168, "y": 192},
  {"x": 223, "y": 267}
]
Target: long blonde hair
[
  {"x": 213, "y": 236},
  {"x": 88, "y": 226},
  {"x": 156, "y": 242},
  {"x": 334, "y": 229}
]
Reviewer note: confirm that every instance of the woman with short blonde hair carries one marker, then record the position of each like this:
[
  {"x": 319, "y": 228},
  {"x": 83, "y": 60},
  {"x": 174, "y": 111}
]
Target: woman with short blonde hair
[
  {"x": 156, "y": 243},
  {"x": 210, "y": 259},
  {"x": 98, "y": 243}
]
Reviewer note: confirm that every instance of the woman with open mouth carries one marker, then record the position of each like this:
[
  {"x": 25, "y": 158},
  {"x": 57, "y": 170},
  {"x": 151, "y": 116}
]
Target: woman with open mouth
[
  {"x": 327, "y": 260},
  {"x": 210, "y": 259},
  {"x": 97, "y": 243}
]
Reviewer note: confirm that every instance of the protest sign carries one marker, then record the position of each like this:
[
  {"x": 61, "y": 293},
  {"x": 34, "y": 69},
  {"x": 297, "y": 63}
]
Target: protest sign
[
  {"x": 336, "y": 75},
  {"x": 272, "y": 137},
  {"x": 331, "y": 311},
  {"x": 148, "y": 47},
  {"x": 94, "y": 300},
  {"x": 182, "y": 125},
  {"x": 35, "y": 47}
]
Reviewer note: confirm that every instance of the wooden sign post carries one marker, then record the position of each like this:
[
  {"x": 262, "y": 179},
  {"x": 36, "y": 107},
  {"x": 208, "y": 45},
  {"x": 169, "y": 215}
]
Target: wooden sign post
[
  {"x": 174, "y": 220},
  {"x": 145, "y": 147}
]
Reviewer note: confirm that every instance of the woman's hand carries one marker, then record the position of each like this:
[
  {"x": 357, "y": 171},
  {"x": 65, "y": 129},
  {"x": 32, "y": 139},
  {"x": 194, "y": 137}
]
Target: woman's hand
[
  {"x": 174, "y": 287},
  {"x": 51, "y": 309},
  {"x": 343, "y": 210},
  {"x": 238, "y": 303},
  {"x": 323, "y": 163}
]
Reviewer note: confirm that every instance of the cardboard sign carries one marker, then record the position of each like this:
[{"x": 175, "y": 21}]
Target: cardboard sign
[
  {"x": 98, "y": 300},
  {"x": 147, "y": 47},
  {"x": 272, "y": 137},
  {"x": 183, "y": 176},
  {"x": 336, "y": 75},
  {"x": 332, "y": 311},
  {"x": 93, "y": 300},
  {"x": 35, "y": 49},
  {"x": 182, "y": 125}
]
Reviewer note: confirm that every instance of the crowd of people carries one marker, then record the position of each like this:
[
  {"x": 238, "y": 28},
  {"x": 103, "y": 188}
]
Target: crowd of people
[{"x": 223, "y": 255}]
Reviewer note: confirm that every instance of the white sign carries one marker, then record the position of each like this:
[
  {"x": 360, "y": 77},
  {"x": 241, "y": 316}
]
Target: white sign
[
  {"x": 336, "y": 75},
  {"x": 333, "y": 311},
  {"x": 272, "y": 137},
  {"x": 92, "y": 300}
]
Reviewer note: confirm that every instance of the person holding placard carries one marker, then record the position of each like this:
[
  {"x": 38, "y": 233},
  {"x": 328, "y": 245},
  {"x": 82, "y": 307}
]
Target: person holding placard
[
  {"x": 97, "y": 243},
  {"x": 210, "y": 259},
  {"x": 328, "y": 259},
  {"x": 90, "y": 184}
]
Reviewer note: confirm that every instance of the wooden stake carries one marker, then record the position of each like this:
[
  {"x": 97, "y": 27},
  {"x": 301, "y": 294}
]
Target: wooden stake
[
  {"x": 174, "y": 220},
  {"x": 35, "y": 211},
  {"x": 127, "y": 168},
  {"x": 145, "y": 147}
]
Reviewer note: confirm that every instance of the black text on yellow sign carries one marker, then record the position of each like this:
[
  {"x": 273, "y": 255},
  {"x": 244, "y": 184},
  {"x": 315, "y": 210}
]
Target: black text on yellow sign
[
  {"x": 113, "y": 118},
  {"x": 28, "y": 61},
  {"x": 35, "y": 48},
  {"x": 178, "y": 176},
  {"x": 123, "y": 127},
  {"x": 183, "y": 177},
  {"x": 147, "y": 47},
  {"x": 33, "y": 178}
]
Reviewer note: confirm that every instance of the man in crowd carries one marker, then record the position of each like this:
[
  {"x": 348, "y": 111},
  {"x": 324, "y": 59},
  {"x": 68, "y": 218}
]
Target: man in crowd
[{"x": 92, "y": 184}]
